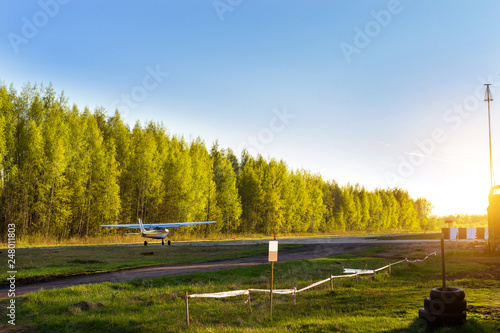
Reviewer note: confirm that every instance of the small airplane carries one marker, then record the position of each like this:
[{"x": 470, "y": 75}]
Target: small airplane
[{"x": 156, "y": 231}]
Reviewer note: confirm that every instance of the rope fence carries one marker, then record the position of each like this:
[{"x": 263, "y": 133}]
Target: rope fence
[{"x": 294, "y": 291}]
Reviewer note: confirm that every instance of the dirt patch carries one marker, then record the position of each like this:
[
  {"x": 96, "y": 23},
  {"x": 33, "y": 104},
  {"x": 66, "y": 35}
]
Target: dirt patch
[
  {"x": 420, "y": 250},
  {"x": 82, "y": 262},
  {"x": 486, "y": 311},
  {"x": 492, "y": 273},
  {"x": 18, "y": 328},
  {"x": 84, "y": 306}
]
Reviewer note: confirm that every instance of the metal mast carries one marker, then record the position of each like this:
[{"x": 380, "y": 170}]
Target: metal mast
[{"x": 487, "y": 97}]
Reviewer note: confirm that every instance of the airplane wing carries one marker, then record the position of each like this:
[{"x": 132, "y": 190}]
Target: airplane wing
[
  {"x": 178, "y": 224},
  {"x": 120, "y": 225},
  {"x": 161, "y": 225}
]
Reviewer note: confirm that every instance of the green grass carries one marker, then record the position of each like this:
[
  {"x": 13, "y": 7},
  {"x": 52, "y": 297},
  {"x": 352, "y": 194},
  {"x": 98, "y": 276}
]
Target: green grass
[
  {"x": 38, "y": 264},
  {"x": 372, "y": 251},
  {"x": 420, "y": 236},
  {"x": 387, "y": 304}
]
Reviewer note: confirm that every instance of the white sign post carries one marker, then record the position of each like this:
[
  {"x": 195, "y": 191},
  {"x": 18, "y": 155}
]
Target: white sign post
[
  {"x": 273, "y": 256},
  {"x": 273, "y": 251},
  {"x": 449, "y": 221}
]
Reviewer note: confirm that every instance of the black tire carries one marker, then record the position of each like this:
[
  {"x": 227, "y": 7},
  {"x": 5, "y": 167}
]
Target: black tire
[
  {"x": 162, "y": 242},
  {"x": 429, "y": 318},
  {"x": 449, "y": 295},
  {"x": 453, "y": 319},
  {"x": 145, "y": 243},
  {"x": 445, "y": 319},
  {"x": 169, "y": 242},
  {"x": 437, "y": 306}
]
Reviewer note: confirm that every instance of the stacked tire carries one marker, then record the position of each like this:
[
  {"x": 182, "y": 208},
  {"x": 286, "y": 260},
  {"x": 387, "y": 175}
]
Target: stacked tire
[{"x": 444, "y": 307}]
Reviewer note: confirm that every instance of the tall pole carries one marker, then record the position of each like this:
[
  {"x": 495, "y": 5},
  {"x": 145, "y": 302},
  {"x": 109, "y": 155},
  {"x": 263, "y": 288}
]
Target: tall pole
[
  {"x": 187, "y": 309},
  {"x": 443, "y": 258},
  {"x": 271, "y": 293},
  {"x": 488, "y": 98}
]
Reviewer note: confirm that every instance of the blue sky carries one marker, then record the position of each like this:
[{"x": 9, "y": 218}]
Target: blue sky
[{"x": 381, "y": 93}]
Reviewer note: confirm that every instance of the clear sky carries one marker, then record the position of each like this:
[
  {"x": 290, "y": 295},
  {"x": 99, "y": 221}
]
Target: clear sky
[{"x": 380, "y": 93}]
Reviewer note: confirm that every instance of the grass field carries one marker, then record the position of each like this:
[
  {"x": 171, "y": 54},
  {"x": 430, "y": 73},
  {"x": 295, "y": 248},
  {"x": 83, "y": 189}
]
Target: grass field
[
  {"x": 38, "y": 264},
  {"x": 419, "y": 236},
  {"x": 388, "y": 304}
]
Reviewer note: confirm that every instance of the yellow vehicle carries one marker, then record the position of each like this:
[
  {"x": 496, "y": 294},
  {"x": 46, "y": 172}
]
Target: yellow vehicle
[{"x": 494, "y": 219}]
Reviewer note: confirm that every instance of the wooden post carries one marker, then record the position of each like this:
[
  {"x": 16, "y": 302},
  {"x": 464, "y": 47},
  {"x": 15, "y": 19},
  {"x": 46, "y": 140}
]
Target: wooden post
[
  {"x": 374, "y": 275},
  {"x": 390, "y": 265},
  {"x": 442, "y": 262},
  {"x": 273, "y": 256},
  {"x": 271, "y": 293},
  {"x": 357, "y": 278},
  {"x": 331, "y": 282},
  {"x": 187, "y": 309}
]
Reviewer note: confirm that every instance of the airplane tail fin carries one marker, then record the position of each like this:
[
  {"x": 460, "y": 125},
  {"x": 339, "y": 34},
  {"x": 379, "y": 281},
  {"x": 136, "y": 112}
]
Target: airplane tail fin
[{"x": 142, "y": 227}]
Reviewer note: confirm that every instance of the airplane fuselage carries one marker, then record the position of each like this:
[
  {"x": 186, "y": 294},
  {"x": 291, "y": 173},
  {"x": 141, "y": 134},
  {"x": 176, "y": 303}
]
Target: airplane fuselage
[{"x": 155, "y": 233}]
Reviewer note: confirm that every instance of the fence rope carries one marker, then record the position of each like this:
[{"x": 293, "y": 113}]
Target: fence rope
[
  {"x": 223, "y": 294},
  {"x": 294, "y": 291}
]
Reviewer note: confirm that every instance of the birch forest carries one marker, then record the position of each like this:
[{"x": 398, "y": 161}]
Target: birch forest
[{"x": 65, "y": 170}]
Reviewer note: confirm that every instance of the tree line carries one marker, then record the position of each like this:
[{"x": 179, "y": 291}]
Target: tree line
[{"x": 65, "y": 170}]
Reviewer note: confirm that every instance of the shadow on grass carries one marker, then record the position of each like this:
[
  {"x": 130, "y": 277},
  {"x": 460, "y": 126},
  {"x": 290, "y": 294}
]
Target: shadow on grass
[{"x": 472, "y": 326}]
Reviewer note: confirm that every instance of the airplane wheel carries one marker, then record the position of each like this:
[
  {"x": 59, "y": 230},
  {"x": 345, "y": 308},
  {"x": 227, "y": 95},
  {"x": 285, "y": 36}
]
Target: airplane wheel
[
  {"x": 169, "y": 243},
  {"x": 145, "y": 243},
  {"x": 162, "y": 242}
]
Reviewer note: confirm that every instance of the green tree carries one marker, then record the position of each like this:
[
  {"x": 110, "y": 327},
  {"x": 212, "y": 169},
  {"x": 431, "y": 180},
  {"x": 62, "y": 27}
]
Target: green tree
[
  {"x": 271, "y": 184},
  {"x": 3, "y": 146},
  {"x": 120, "y": 135},
  {"x": 316, "y": 208},
  {"x": 28, "y": 181},
  {"x": 228, "y": 199},
  {"x": 147, "y": 185},
  {"x": 294, "y": 203},
  {"x": 178, "y": 182},
  {"x": 407, "y": 215},
  {"x": 363, "y": 207},
  {"x": 376, "y": 212},
  {"x": 251, "y": 194},
  {"x": 350, "y": 205},
  {"x": 203, "y": 206},
  {"x": 424, "y": 209},
  {"x": 54, "y": 192}
]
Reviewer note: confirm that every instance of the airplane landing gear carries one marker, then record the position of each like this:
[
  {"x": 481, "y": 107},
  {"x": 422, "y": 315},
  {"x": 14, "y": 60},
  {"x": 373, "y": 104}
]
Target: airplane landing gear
[
  {"x": 162, "y": 242},
  {"x": 145, "y": 243},
  {"x": 169, "y": 243}
]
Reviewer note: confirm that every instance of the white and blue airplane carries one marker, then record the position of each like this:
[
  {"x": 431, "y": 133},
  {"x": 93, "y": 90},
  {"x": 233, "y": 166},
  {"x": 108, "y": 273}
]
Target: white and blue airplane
[{"x": 155, "y": 231}]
